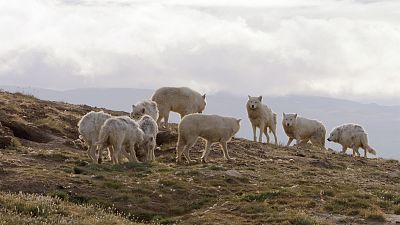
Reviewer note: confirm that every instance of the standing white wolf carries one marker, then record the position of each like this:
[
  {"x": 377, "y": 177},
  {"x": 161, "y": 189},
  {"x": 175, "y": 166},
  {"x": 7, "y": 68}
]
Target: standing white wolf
[
  {"x": 146, "y": 148},
  {"x": 262, "y": 117},
  {"x": 182, "y": 100},
  {"x": 212, "y": 128},
  {"x": 145, "y": 107},
  {"x": 303, "y": 130},
  {"x": 121, "y": 133},
  {"x": 351, "y": 136},
  {"x": 89, "y": 129}
]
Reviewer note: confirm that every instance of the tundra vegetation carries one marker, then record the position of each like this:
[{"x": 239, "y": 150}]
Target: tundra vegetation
[{"x": 46, "y": 177}]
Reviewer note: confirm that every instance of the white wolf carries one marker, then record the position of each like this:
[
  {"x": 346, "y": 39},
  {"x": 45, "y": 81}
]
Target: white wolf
[
  {"x": 121, "y": 133},
  {"x": 145, "y": 107},
  {"x": 262, "y": 117},
  {"x": 351, "y": 136},
  {"x": 212, "y": 128},
  {"x": 146, "y": 148},
  {"x": 182, "y": 100},
  {"x": 89, "y": 129},
  {"x": 303, "y": 130}
]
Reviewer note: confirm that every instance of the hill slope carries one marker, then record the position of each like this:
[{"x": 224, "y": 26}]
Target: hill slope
[
  {"x": 267, "y": 184},
  {"x": 381, "y": 122}
]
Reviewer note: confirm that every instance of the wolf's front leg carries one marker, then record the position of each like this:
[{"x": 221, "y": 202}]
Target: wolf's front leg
[
  {"x": 262, "y": 127},
  {"x": 254, "y": 132}
]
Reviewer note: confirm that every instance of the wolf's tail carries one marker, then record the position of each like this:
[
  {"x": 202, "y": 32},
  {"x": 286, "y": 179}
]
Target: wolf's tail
[
  {"x": 364, "y": 141},
  {"x": 275, "y": 122},
  {"x": 371, "y": 150}
]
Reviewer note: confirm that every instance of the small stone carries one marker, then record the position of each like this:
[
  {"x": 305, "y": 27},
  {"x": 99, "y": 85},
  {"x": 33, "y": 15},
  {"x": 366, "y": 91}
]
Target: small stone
[{"x": 234, "y": 173}]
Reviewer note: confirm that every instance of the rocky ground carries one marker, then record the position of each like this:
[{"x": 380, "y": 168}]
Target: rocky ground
[{"x": 267, "y": 184}]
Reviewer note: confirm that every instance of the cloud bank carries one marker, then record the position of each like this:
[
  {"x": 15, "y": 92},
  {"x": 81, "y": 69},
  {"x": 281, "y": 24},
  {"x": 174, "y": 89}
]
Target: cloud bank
[{"x": 346, "y": 49}]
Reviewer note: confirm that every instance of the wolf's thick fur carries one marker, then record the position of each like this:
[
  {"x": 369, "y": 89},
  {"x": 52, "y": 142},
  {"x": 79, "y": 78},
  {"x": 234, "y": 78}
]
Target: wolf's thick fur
[
  {"x": 89, "y": 129},
  {"x": 182, "y": 100},
  {"x": 119, "y": 133},
  {"x": 262, "y": 117},
  {"x": 303, "y": 130},
  {"x": 145, "y": 149},
  {"x": 351, "y": 136},
  {"x": 145, "y": 107},
  {"x": 212, "y": 128}
]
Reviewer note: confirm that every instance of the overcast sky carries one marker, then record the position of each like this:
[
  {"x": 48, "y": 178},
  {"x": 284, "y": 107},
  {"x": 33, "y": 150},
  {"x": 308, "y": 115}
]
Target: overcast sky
[{"x": 346, "y": 48}]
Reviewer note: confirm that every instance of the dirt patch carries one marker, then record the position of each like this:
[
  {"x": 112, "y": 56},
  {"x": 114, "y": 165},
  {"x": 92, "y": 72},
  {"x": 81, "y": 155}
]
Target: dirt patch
[{"x": 5, "y": 141}]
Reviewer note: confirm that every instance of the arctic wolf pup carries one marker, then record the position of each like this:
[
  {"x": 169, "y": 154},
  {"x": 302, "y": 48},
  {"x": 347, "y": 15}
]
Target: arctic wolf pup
[
  {"x": 121, "y": 133},
  {"x": 212, "y": 128},
  {"x": 145, "y": 149},
  {"x": 351, "y": 136},
  {"x": 89, "y": 129},
  {"x": 145, "y": 107},
  {"x": 262, "y": 117}
]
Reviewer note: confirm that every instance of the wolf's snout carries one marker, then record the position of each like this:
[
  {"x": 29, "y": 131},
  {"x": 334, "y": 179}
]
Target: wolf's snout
[
  {"x": 287, "y": 124},
  {"x": 328, "y": 139}
]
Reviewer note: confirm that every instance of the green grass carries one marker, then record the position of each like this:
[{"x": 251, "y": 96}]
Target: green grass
[
  {"x": 167, "y": 183},
  {"x": 397, "y": 210},
  {"x": 59, "y": 157},
  {"x": 355, "y": 204},
  {"x": 259, "y": 197},
  {"x": 113, "y": 184},
  {"x": 59, "y": 194},
  {"x": 303, "y": 220},
  {"x": 389, "y": 196},
  {"x": 51, "y": 123}
]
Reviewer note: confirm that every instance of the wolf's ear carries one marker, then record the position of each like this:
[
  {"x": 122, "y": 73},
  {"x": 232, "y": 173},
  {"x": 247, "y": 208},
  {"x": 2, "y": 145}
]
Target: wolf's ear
[
  {"x": 204, "y": 96},
  {"x": 260, "y": 98},
  {"x": 295, "y": 115},
  {"x": 133, "y": 106},
  {"x": 143, "y": 110},
  {"x": 283, "y": 114}
]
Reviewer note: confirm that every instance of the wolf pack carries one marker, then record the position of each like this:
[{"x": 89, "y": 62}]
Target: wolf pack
[{"x": 134, "y": 137}]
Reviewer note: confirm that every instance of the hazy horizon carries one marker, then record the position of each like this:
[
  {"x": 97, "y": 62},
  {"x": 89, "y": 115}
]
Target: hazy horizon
[{"x": 17, "y": 88}]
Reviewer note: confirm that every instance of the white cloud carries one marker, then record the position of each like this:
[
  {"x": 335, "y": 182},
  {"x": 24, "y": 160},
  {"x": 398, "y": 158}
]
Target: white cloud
[{"x": 337, "y": 48}]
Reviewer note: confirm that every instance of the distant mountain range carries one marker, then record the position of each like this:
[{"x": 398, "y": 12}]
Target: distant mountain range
[{"x": 381, "y": 122}]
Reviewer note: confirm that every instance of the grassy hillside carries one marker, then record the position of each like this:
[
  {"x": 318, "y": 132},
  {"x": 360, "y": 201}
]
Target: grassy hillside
[
  {"x": 38, "y": 209},
  {"x": 267, "y": 184}
]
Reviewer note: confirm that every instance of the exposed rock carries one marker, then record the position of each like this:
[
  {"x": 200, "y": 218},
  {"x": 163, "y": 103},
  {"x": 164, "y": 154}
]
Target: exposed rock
[
  {"x": 27, "y": 132},
  {"x": 5, "y": 141},
  {"x": 234, "y": 173},
  {"x": 5, "y": 131},
  {"x": 166, "y": 137},
  {"x": 392, "y": 218}
]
